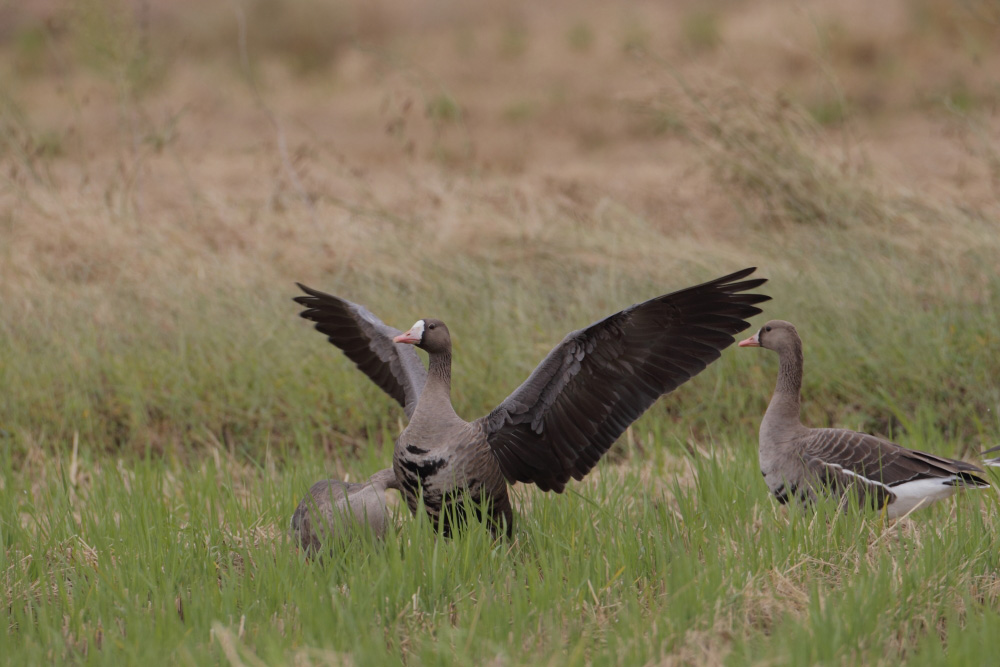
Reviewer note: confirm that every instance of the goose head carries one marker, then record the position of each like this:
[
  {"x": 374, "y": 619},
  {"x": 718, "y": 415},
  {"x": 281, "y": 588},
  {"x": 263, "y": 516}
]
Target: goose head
[
  {"x": 427, "y": 334},
  {"x": 774, "y": 335}
]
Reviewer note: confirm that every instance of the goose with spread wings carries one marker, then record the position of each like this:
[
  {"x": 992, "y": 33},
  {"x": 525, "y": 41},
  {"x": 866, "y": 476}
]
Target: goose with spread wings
[{"x": 562, "y": 418}]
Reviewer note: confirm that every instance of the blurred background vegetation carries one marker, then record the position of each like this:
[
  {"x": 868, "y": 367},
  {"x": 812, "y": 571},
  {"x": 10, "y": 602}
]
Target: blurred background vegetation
[{"x": 170, "y": 168}]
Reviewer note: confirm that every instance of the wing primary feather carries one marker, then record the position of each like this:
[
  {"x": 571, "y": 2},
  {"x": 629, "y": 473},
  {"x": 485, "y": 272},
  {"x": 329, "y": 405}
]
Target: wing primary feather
[{"x": 366, "y": 341}]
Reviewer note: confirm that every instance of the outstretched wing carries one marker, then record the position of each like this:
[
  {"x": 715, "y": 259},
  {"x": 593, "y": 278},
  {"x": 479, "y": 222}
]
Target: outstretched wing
[
  {"x": 367, "y": 341},
  {"x": 598, "y": 380}
]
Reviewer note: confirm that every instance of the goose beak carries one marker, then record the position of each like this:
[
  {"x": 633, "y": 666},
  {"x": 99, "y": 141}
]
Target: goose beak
[
  {"x": 413, "y": 336},
  {"x": 407, "y": 337},
  {"x": 752, "y": 341}
]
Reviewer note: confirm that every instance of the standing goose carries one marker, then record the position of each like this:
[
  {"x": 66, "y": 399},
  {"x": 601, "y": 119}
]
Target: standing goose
[
  {"x": 332, "y": 510},
  {"x": 564, "y": 416},
  {"x": 797, "y": 461}
]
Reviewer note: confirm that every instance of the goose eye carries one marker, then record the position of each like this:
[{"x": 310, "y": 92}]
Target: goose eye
[
  {"x": 767, "y": 328},
  {"x": 431, "y": 326}
]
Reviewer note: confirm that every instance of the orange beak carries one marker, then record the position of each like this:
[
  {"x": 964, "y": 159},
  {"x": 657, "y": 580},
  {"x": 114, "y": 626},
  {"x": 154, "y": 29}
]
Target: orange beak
[
  {"x": 752, "y": 341},
  {"x": 408, "y": 337}
]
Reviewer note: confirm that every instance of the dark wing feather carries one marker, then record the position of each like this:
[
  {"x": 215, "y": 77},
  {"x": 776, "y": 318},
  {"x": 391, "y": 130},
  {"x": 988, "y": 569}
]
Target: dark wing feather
[
  {"x": 994, "y": 461},
  {"x": 841, "y": 456},
  {"x": 598, "y": 380},
  {"x": 367, "y": 341}
]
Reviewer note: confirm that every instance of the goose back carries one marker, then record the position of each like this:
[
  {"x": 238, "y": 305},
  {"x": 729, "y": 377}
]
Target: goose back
[{"x": 334, "y": 511}]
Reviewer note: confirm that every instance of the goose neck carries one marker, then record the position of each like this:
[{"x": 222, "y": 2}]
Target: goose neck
[
  {"x": 435, "y": 399},
  {"x": 784, "y": 409}
]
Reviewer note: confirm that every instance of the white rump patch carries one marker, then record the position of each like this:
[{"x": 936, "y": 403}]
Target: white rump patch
[
  {"x": 418, "y": 330},
  {"x": 920, "y": 493},
  {"x": 909, "y": 495}
]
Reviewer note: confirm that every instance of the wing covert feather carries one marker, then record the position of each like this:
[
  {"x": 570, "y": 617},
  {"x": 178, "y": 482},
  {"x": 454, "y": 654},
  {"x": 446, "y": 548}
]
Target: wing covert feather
[{"x": 883, "y": 462}]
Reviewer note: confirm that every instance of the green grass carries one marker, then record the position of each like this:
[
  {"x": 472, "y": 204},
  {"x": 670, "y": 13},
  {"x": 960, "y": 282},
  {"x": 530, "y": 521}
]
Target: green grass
[{"x": 162, "y": 562}]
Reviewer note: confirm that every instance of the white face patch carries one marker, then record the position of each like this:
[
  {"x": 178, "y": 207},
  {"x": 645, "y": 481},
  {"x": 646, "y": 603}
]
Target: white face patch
[{"x": 418, "y": 330}]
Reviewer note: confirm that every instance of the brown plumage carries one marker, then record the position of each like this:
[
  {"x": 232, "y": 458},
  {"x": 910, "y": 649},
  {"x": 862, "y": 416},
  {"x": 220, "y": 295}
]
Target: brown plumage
[
  {"x": 797, "y": 462},
  {"x": 562, "y": 418},
  {"x": 334, "y": 511}
]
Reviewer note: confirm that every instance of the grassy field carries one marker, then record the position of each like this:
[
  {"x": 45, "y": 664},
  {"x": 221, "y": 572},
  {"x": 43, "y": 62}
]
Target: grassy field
[{"x": 169, "y": 170}]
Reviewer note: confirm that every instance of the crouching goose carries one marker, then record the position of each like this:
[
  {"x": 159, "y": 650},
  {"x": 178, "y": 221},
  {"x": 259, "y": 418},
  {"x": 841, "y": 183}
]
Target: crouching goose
[
  {"x": 564, "y": 416},
  {"x": 333, "y": 511},
  {"x": 797, "y": 461}
]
